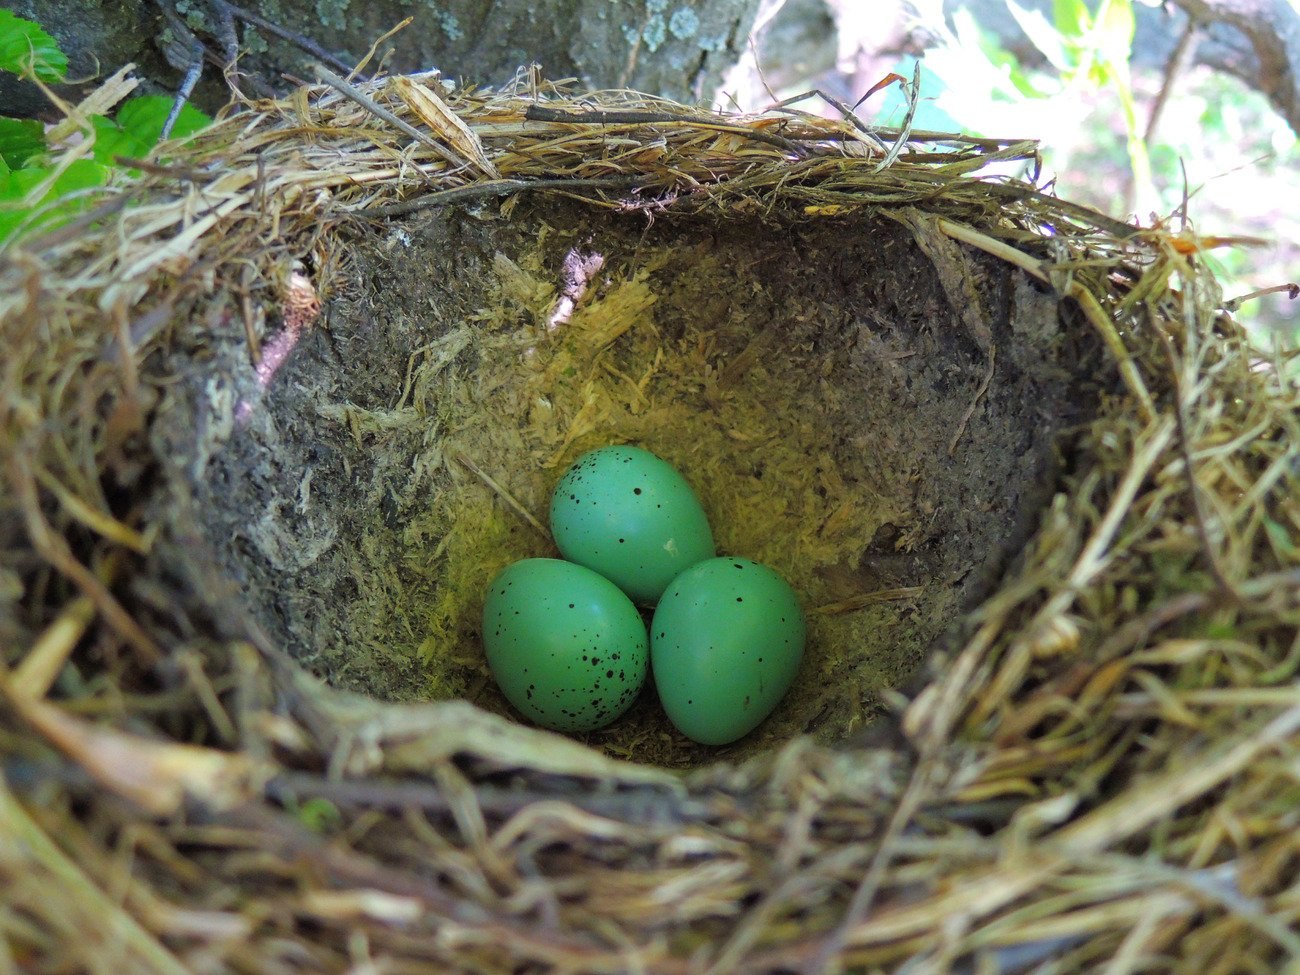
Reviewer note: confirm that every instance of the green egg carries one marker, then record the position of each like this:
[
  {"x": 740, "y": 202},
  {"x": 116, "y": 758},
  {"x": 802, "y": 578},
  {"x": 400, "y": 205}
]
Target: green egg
[
  {"x": 725, "y": 645},
  {"x": 631, "y": 517},
  {"x": 566, "y": 645}
]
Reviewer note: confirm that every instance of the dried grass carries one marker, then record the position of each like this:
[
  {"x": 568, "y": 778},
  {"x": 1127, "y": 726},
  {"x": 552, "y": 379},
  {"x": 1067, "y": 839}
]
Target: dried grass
[{"x": 1106, "y": 776}]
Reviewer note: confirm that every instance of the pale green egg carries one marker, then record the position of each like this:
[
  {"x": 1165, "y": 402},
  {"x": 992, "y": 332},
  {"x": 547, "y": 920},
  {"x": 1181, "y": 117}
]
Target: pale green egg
[
  {"x": 566, "y": 645},
  {"x": 632, "y": 517},
  {"x": 725, "y": 645}
]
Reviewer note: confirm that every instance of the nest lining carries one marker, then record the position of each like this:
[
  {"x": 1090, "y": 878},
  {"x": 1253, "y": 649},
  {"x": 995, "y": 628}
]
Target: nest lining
[
  {"x": 1103, "y": 773},
  {"x": 808, "y": 374}
]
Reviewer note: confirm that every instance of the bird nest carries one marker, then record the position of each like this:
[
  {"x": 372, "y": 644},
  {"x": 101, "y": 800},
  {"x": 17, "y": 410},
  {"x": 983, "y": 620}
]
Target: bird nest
[{"x": 276, "y": 408}]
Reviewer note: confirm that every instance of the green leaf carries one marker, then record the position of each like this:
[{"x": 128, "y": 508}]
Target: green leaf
[
  {"x": 1114, "y": 31},
  {"x": 26, "y": 50},
  {"x": 80, "y": 175},
  {"x": 1024, "y": 83},
  {"x": 112, "y": 141},
  {"x": 1000, "y": 73},
  {"x": 144, "y": 117},
  {"x": 1044, "y": 36},
  {"x": 1222, "y": 630},
  {"x": 20, "y": 139},
  {"x": 1072, "y": 19},
  {"x": 320, "y": 815},
  {"x": 16, "y": 208}
]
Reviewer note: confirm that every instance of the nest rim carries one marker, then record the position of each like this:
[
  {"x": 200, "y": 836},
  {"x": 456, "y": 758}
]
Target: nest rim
[{"x": 986, "y": 804}]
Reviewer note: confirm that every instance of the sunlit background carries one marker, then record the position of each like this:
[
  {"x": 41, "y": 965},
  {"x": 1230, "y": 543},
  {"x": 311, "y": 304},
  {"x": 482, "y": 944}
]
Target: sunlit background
[{"x": 1126, "y": 124}]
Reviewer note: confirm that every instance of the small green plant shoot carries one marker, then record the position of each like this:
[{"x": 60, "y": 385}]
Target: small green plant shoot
[{"x": 42, "y": 185}]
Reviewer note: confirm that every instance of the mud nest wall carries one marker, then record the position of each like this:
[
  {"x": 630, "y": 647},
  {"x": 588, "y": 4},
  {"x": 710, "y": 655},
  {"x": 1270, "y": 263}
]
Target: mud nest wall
[
  {"x": 1096, "y": 767},
  {"x": 811, "y": 376}
]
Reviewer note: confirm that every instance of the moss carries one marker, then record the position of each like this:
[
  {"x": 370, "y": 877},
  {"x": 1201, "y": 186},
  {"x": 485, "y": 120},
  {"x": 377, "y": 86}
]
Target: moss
[
  {"x": 684, "y": 23},
  {"x": 193, "y": 13},
  {"x": 654, "y": 33},
  {"x": 253, "y": 42},
  {"x": 333, "y": 13},
  {"x": 273, "y": 11},
  {"x": 450, "y": 26}
]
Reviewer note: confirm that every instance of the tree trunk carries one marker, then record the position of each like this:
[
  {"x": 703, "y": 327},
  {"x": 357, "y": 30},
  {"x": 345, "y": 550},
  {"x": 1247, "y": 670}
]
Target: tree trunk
[
  {"x": 671, "y": 47},
  {"x": 1256, "y": 40}
]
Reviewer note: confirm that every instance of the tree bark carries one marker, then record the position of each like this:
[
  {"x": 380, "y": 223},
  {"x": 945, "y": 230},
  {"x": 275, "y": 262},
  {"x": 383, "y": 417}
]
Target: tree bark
[
  {"x": 1258, "y": 41},
  {"x": 99, "y": 36},
  {"x": 676, "y": 48}
]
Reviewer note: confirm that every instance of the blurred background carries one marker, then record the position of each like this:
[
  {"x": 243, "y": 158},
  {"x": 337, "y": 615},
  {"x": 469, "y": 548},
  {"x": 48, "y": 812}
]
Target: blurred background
[
  {"x": 1139, "y": 105},
  {"x": 1136, "y": 107}
]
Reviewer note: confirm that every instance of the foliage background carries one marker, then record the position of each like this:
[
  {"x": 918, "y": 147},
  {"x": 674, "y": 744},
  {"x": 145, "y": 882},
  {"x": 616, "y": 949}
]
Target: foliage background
[{"x": 1089, "y": 102}]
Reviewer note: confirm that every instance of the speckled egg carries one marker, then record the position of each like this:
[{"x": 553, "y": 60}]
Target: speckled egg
[
  {"x": 725, "y": 645},
  {"x": 632, "y": 517},
  {"x": 566, "y": 645}
]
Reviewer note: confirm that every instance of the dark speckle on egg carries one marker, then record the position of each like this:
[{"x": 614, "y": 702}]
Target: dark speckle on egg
[
  {"x": 730, "y": 640},
  {"x": 631, "y": 517},
  {"x": 534, "y": 655}
]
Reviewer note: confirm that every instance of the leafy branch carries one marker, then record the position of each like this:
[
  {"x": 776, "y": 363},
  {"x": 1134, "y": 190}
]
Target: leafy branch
[
  {"x": 44, "y": 184},
  {"x": 1094, "y": 49}
]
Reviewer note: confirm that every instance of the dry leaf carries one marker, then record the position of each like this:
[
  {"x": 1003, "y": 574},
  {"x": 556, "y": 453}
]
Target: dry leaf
[{"x": 445, "y": 124}]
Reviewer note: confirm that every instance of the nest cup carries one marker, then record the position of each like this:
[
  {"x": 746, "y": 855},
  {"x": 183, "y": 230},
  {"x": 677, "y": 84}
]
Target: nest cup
[
  {"x": 841, "y": 420},
  {"x": 982, "y": 432}
]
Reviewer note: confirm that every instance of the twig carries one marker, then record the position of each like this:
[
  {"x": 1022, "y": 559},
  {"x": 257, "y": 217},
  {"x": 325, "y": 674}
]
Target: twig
[
  {"x": 1292, "y": 291},
  {"x": 997, "y": 248},
  {"x": 504, "y": 494},
  {"x": 192, "y": 75},
  {"x": 246, "y": 311},
  {"x": 104, "y": 525},
  {"x": 36, "y": 674},
  {"x": 54, "y": 548},
  {"x": 905, "y": 130},
  {"x": 1128, "y": 369},
  {"x": 225, "y": 31},
  {"x": 370, "y": 105},
  {"x": 538, "y": 113},
  {"x": 1077, "y": 211},
  {"x": 297, "y": 40},
  {"x": 1088, "y": 304},
  {"x": 501, "y": 187},
  {"x": 1185, "y": 449},
  {"x": 970, "y": 410},
  {"x": 758, "y": 68},
  {"x": 841, "y": 107}
]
